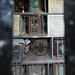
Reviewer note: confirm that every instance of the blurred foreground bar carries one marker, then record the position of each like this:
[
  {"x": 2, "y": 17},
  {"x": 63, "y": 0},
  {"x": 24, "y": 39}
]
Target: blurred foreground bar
[
  {"x": 70, "y": 36},
  {"x": 6, "y": 22}
]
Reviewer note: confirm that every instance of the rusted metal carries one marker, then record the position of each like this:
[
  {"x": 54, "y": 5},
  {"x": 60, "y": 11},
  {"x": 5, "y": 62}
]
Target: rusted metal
[
  {"x": 16, "y": 53},
  {"x": 40, "y": 28},
  {"x": 48, "y": 69},
  {"x": 31, "y": 14},
  {"x": 38, "y": 24},
  {"x": 16, "y": 68},
  {"x": 45, "y": 5},
  {"x": 57, "y": 48},
  {"x": 42, "y": 25},
  {"x": 34, "y": 63},
  {"x": 24, "y": 25},
  {"x": 41, "y": 69},
  {"x": 33, "y": 24},
  {"x": 53, "y": 69},
  {"x": 39, "y": 47},
  {"x": 29, "y": 24},
  {"x": 21, "y": 69},
  {"x": 62, "y": 42},
  {"x": 58, "y": 69}
]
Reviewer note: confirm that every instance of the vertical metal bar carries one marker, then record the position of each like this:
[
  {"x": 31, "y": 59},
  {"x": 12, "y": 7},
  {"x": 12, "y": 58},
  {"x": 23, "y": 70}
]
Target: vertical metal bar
[
  {"x": 42, "y": 69},
  {"x": 29, "y": 24},
  {"x": 16, "y": 69},
  {"x": 57, "y": 48},
  {"x": 39, "y": 26},
  {"x": 32, "y": 69},
  {"x": 62, "y": 44},
  {"x": 43, "y": 23},
  {"x": 22, "y": 50},
  {"x": 48, "y": 69},
  {"x": 21, "y": 69},
  {"x": 36, "y": 28},
  {"x": 52, "y": 48},
  {"x": 38, "y": 23},
  {"x": 26, "y": 70},
  {"x": 37, "y": 70},
  {"x": 63, "y": 69},
  {"x": 45, "y": 5},
  {"x": 58, "y": 69},
  {"x": 53, "y": 69},
  {"x": 29, "y": 69},
  {"x": 34, "y": 24},
  {"x": 24, "y": 25}
]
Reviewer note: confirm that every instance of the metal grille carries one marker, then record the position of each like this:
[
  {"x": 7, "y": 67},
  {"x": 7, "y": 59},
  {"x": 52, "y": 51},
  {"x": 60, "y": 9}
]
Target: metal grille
[
  {"x": 31, "y": 48},
  {"x": 32, "y": 63},
  {"x": 58, "y": 48},
  {"x": 39, "y": 69},
  {"x": 39, "y": 47},
  {"x": 16, "y": 53},
  {"x": 33, "y": 25}
]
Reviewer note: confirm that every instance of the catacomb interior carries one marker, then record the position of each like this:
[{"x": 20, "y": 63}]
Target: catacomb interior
[{"x": 35, "y": 52}]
